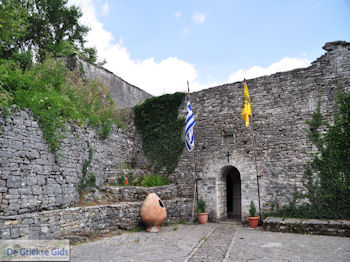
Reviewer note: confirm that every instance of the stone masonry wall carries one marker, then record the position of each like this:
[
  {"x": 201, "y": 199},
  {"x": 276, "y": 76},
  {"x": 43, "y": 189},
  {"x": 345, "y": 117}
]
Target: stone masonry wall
[
  {"x": 83, "y": 221},
  {"x": 308, "y": 226},
  {"x": 281, "y": 104},
  {"x": 124, "y": 94},
  {"x": 32, "y": 179}
]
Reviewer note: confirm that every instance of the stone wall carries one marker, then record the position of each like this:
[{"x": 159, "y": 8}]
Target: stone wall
[
  {"x": 124, "y": 94},
  {"x": 308, "y": 226},
  {"x": 137, "y": 193},
  {"x": 281, "y": 104},
  {"x": 33, "y": 179},
  {"x": 83, "y": 221}
]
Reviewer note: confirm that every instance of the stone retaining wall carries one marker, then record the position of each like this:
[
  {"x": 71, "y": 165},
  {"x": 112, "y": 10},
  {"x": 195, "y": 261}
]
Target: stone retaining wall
[
  {"x": 308, "y": 226},
  {"x": 83, "y": 221},
  {"x": 135, "y": 193},
  {"x": 33, "y": 179}
]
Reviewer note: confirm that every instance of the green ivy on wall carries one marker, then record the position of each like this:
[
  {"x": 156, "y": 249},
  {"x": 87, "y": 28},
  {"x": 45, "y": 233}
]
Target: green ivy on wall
[{"x": 161, "y": 129}]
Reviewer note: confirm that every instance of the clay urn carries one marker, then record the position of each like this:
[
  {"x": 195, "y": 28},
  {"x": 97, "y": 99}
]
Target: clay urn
[{"x": 153, "y": 213}]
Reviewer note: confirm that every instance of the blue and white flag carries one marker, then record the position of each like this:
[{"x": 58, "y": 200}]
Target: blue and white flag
[{"x": 189, "y": 138}]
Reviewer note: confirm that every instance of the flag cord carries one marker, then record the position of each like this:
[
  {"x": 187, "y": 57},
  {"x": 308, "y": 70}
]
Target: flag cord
[{"x": 256, "y": 165}]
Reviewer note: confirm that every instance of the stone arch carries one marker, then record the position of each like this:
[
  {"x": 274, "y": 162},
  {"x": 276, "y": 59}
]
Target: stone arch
[
  {"x": 230, "y": 195},
  {"x": 212, "y": 187}
]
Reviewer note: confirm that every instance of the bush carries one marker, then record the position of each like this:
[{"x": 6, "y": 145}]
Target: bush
[
  {"x": 201, "y": 205},
  {"x": 328, "y": 174},
  {"x": 154, "y": 180},
  {"x": 56, "y": 95},
  {"x": 252, "y": 209}
]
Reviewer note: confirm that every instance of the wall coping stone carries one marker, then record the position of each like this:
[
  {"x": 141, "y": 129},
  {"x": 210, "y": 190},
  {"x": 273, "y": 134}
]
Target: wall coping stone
[{"x": 332, "y": 227}]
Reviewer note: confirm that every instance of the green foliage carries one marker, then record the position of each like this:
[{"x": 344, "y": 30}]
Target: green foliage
[
  {"x": 330, "y": 193},
  {"x": 56, "y": 95},
  {"x": 328, "y": 174},
  {"x": 154, "y": 180},
  {"x": 13, "y": 27},
  {"x": 121, "y": 180},
  {"x": 252, "y": 209},
  {"x": 161, "y": 129},
  {"x": 201, "y": 205},
  {"x": 136, "y": 229},
  {"x": 125, "y": 166},
  {"x": 87, "y": 180},
  {"x": 44, "y": 28}
]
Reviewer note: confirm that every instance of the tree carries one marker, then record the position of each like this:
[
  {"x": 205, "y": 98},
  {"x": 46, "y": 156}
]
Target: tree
[
  {"x": 42, "y": 27},
  {"x": 13, "y": 27},
  {"x": 54, "y": 27},
  {"x": 330, "y": 194}
]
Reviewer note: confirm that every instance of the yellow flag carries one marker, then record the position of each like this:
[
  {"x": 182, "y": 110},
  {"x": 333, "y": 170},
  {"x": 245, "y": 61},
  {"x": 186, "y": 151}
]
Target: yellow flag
[{"x": 247, "y": 110}]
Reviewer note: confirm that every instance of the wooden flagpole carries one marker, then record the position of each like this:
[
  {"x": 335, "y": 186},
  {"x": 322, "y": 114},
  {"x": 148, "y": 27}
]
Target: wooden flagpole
[
  {"x": 194, "y": 162},
  {"x": 256, "y": 164}
]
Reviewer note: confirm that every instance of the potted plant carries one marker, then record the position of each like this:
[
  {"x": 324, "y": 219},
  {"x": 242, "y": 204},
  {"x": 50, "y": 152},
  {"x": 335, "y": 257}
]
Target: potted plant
[
  {"x": 253, "y": 219},
  {"x": 202, "y": 215}
]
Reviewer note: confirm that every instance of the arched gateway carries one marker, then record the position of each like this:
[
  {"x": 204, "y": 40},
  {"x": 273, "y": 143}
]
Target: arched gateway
[{"x": 232, "y": 192}]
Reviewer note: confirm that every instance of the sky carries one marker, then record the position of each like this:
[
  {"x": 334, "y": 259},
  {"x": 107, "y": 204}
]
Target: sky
[{"x": 157, "y": 45}]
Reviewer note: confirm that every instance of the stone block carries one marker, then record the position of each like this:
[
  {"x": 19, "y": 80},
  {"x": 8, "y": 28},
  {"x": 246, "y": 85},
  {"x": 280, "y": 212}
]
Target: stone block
[
  {"x": 36, "y": 190},
  {"x": 13, "y": 181},
  {"x": 41, "y": 180},
  {"x": 13, "y": 207},
  {"x": 25, "y": 191},
  {"x": 5, "y": 233},
  {"x": 14, "y": 233},
  {"x": 2, "y": 182},
  {"x": 31, "y": 181},
  {"x": 13, "y": 191}
]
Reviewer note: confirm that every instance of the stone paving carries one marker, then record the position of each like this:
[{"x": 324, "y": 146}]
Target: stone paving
[{"x": 228, "y": 241}]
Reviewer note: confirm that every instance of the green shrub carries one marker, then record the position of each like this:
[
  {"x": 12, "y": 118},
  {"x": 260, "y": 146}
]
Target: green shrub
[
  {"x": 56, "y": 95},
  {"x": 121, "y": 180},
  {"x": 87, "y": 180},
  {"x": 201, "y": 205},
  {"x": 252, "y": 209},
  {"x": 154, "y": 180},
  {"x": 329, "y": 192}
]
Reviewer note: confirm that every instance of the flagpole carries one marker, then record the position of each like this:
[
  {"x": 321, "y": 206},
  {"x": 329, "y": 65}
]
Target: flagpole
[
  {"x": 256, "y": 164},
  {"x": 195, "y": 192}
]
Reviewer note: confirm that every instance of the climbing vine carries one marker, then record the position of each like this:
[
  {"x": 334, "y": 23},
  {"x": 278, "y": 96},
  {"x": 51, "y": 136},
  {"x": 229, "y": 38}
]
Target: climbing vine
[
  {"x": 161, "y": 129},
  {"x": 328, "y": 174}
]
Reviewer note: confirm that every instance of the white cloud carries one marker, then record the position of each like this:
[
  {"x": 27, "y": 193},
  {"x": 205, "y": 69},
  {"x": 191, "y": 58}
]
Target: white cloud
[
  {"x": 285, "y": 64},
  {"x": 158, "y": 77},
  {"x": 199, "y": 18},
  {"x": 105, "y": 8},
  {"x": 166, "y": 76},
  {"x": 178, "y": 14}
]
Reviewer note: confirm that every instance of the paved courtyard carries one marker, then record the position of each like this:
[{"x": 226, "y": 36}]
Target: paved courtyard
[{"x": 228, "y": 241}]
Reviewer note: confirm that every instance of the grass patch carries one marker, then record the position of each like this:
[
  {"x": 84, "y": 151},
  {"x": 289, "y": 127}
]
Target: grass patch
[
  {"x": 137, "y": 229},
  {"x": 154, "y": 180}
]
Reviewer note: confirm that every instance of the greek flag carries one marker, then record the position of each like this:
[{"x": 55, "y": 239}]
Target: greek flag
[{"x": 189, "y": 139}]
